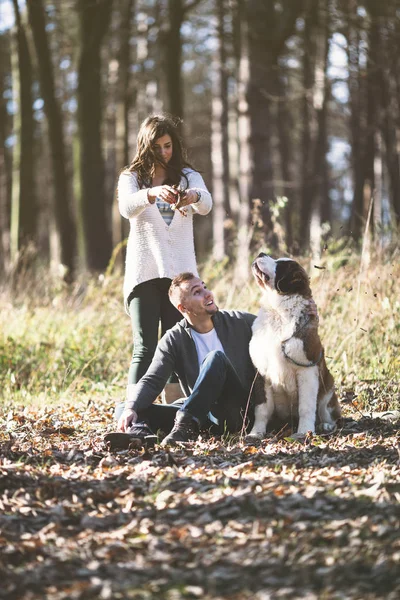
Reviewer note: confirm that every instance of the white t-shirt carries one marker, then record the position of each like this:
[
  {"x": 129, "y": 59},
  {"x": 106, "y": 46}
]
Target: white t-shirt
[{"x": 205, "y": 343}]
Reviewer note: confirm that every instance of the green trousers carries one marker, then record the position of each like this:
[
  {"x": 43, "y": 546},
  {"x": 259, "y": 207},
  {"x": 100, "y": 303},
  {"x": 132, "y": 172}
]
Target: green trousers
[{"x": 149, "y": 306}]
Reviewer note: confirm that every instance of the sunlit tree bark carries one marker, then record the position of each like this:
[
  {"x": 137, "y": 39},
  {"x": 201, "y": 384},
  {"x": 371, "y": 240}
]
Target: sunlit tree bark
[
  {"x": 219, "y": 138},
  {"x": 244, "y": 133},
  {"x": 388, "y": 46},
  {"x": 5, "y": 165}
]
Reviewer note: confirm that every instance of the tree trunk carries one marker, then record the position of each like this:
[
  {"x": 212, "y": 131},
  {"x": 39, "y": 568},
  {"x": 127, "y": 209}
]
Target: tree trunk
[
  {"x": 124, "y": 96},
  {"x": 284, "y": 126},
  {"x": 320, "y": 207},
  {"x": 262, "y": 35},
  {"x": 177, "y": 9},
  {"x": 268, "y": 30},
  {"x": 176, "y": 13},
  {"x": 245, "y": 173},
  {"x": 260, "y": 64},
  {"x": 378, "y": 192},
  {"x": 94, "y": 20},
  {"x": 219, "y": 140},
  {"x": 5, "y": 166},
  {"x": 62, "y": 194},
  {"x": 392, "y": 152},
  {"x": 364, "y": 93},
  {"x": 390, "y": 122},
  {"x": 24, "y": 202},
  {"x": 233, "y": 126},
  {"x": 141, "y": 109},
  {"x": 366, "y": 117},
  {"x": 372, "y": 116},
  {"x": 123, "y": 105},
  {"x": 357, "y": 118},
  {"x": 309, "y": 123}
]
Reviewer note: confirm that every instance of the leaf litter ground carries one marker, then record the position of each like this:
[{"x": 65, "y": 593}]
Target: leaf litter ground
[{"x": 216, "y": 519}]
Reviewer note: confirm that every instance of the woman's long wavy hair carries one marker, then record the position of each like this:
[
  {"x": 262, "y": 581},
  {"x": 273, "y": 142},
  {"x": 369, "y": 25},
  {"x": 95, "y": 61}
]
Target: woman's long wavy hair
[{"x": 145, "y": 160}]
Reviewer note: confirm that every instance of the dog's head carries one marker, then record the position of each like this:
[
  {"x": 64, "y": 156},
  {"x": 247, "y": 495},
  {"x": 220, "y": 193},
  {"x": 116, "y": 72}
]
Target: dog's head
[{"x": 285, "y": 276}]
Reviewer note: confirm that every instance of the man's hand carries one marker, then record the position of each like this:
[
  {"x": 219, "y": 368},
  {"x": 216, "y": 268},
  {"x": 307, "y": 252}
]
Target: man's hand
[{"x": 128, "y": 418}]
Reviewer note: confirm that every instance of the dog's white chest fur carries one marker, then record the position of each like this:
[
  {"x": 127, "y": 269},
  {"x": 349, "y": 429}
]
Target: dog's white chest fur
[{"x": 276, "y": 325}]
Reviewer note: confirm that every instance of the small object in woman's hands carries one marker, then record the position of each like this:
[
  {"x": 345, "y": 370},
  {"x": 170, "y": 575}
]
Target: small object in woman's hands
[{"x": 178, "y": 205}]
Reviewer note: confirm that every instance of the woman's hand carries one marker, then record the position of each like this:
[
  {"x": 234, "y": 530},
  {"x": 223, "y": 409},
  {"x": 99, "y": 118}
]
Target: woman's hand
[
  {"x": 188, "y": 197},
  {"x": 128, "y": 418},
  {"x": 164, "y": 192}
]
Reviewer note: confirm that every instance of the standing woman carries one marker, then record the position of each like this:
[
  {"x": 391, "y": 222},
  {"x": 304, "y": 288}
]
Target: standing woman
[{"x": 160, "y": 243}]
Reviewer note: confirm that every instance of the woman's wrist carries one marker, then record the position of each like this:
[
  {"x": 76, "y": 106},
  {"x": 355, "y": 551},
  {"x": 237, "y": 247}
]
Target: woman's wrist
[
  {"x": 197, "y": 196},
  {"x": 150, "y": 197}
]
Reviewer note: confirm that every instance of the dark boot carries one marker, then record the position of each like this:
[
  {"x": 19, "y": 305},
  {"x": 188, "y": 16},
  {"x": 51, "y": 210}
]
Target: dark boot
[
  {"x": 138, "y": 435},
  {"x": 186, "y": 429}
]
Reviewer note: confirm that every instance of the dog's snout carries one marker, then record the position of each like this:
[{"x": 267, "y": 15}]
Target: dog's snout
[{"x": 262, "y": 254}]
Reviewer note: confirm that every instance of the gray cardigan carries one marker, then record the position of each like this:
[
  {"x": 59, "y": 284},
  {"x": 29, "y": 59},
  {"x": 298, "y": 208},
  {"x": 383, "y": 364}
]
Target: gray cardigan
[{"x": 176, "y": 352}]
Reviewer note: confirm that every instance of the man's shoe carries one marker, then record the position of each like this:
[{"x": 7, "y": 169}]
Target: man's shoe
[
  {"x": 138, "y": 435},
  {"x": 186, "y": 429}
]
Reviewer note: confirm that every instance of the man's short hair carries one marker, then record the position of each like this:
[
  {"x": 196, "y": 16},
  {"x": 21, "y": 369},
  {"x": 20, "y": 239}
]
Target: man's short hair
[{"x": 178, "y": 280}]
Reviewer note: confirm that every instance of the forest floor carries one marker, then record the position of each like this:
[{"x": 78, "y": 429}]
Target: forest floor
[{"x": 216, "y": 519}]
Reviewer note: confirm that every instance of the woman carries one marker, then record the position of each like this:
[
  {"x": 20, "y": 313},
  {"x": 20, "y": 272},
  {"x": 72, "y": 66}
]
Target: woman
[{"x": 160, "y": 243}]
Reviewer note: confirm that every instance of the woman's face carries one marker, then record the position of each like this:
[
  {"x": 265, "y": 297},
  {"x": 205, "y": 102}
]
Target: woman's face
[{"x": 163, "y": 148}]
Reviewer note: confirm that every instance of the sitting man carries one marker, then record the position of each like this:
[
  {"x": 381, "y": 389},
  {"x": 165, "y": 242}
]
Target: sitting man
[{"x": 209, "y": 352}]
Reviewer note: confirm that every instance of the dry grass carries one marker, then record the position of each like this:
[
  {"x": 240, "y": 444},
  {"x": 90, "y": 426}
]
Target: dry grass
[
  {"x": 61, "y": 342},
  {"x": 359, "y": 314}
]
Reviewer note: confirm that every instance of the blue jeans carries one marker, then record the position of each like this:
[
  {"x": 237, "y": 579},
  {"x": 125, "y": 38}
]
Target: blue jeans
[{"x": 218, "y": 390}]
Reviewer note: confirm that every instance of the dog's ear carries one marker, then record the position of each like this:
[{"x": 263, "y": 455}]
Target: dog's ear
[{"x": 291, "y": 278}]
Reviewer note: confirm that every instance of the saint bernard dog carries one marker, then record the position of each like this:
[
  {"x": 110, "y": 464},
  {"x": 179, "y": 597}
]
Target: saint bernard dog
[{"x": 286, "y": 349}]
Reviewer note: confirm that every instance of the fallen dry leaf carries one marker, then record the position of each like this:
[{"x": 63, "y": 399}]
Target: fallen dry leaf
[{"x": 218, "y": 519}]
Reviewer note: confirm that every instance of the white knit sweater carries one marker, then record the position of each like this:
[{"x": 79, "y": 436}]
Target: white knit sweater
[{"x": 154, "y": 248}]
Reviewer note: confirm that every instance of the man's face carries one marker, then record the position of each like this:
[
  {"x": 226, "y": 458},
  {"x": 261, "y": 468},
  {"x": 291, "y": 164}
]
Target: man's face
[{"x": 196, "y": 299}]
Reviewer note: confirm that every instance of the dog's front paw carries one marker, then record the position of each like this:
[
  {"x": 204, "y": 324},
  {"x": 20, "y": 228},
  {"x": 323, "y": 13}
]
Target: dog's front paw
[{"x": 327, "y": 427}]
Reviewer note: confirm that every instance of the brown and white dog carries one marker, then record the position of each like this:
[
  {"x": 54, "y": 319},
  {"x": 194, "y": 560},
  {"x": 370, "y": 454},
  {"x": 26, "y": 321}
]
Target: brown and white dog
[{"x": 287, "y": 351}]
